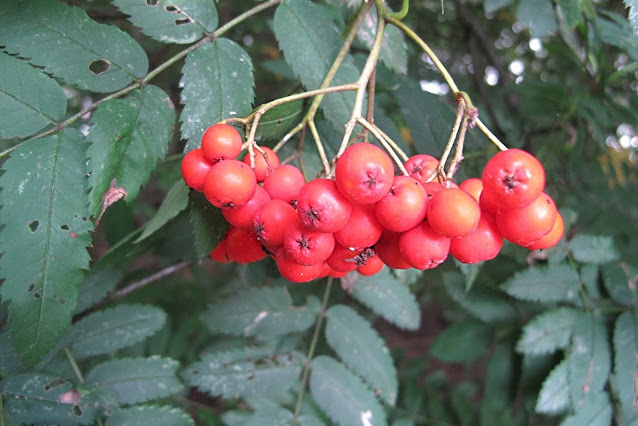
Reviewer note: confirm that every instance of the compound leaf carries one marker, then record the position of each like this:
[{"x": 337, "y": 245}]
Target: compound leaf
[
  {"x": 217, "y": 81},
  {"x": 589, "y": 359},
  {"x": 175, "y": 201},
  {"x": 29, "y": 99},
  {"x": 209, "y": 225},
  {"x": 633, "y": 14},
  {"x": 261, "y": 312},
  {"x": 45, "y": 399},
  {"x": 547, "y": 332},
  {"x": 362, "y": 350},
  {"x": 245, "y": 372},
  {"x": 626, "y": 365},
  {"x": 554, "y": 395},
  {"x": 128, "y": 137},
  {"x": 593, "y": 249},
  {"x": 388, "y": 297},
  {"x": 394, "y": 51},
  {"x": 551, "y": 283},
  {"x": 70, "y": 45},
  {"x": 44, "y": 239},
  {"x": 142, "y": 415},
  {"x": 462, "y": 342},
  {"x": 310, "y": 41},
  {"x": 342, "y": 395},
  {"x": 135, "y": 380},
  {"x": 173, "y": 21},
  {"x": 595, "y": 410},
  {"x": 111, "y": 329}
]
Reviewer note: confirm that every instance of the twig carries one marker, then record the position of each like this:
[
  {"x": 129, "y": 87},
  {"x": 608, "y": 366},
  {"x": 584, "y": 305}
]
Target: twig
[
  {"x": 135, "y": 285},
  {"x": 440, "y": 170},
  {"x": 370, "y": 107},
  {"x": 74, "y": 365},
  {"x": 375, "y": 132},
  {"x": 458, "y": 156}
]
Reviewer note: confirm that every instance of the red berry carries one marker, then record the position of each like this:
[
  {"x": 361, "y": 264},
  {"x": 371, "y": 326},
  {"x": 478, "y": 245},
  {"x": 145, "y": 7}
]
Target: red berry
[
  {"x": 387, "y": 249},
  {"x": 453, "y": 212},
  {"x": 473, "y": 186},
  {"x": 343, "y": 259},
  {"x": 295, "y": 272},
  {"x": 284, "y": 183},
  {"x": 526, "y": 225},
  {"x": 221, "y": 142},
  {"x": 423, "y": 248},
  {"x": 515, "y": 177},
  {"x": 242, "y": 246},
  {"x": 242, "y": 217},
  {"x": 262, "y": 168},
  {"x": 307, "y": 246},
  {"x": 552, "y": 237},
  {"x": 371, "y": 266},
  {"x": 362, "y": 230},
  {"x": 322, "y": 207},
  {"x": 404, "y": 206},
  {"x": 364, "y": 173},
  {"x": 487, "y": 202},
  {"x": 421, "y": 166},
  {"x": 272, "y": 220},
  {"x": 483, "y": 243},
  {"x": 219, "y": 254},
  {"x": 195, "y": 169},
  {"x": 230, "y": 183}
]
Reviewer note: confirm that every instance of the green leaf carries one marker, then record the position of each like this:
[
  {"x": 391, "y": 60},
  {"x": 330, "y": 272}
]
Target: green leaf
[
  {"x": 310, "y": 41},
  {"x": 499, "y": 378},
  {"x": 492, "y": 6},
  {"x": 44, "y": 239},
  {"x": 596, "y": 410},
  {"x": 143, "y": 415},
  {"x": 275, "y": 123},
  {"x": 593, "y": 249},
  {"x": 552, "y": 283},
  {"x": 135, "y": 380},
  {"x": 9, "y": 362},
  {"x": 111, "y": 329},
  {"x": 554, "y": 395},
  {"x": 632, "y": 5},
  {"x": 29, "y": 99},
  {"x": 218, "y": 83},
  {"x": 615, "y": 30},
  {"x": 538, "y": 15},
  {"x": 209, "y": 225},
  {"x": 570, "y": 12},
  {"x": 388, "y": 297},
  {"x": 589, "y": 359},
  {"x": 547, "y": 332},
  {"x": 245, "y": 372},
  {"x": 462, "y": 342},
  {"x": 342, "y": 395},
  {"x": 618, "y": 284},
  {"x": 626, "y": 365},
  {"x": 275, "y": 416},
  {"x": 45, "y": 399},
  {"x": 394, "y": 51},
  {"x": 362, "y": 350},
  {"x": 173, "y": 21},
  {"x": 260, "y": 312},
  {"x": 128, "y": 137},
  {"x": 176, "y": 200},
  {"x": 70, "y": 45}
]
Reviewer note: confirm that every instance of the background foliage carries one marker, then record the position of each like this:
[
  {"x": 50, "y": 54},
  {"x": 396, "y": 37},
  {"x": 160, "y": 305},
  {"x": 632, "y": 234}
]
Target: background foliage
[{"x": 114, "y": 317}]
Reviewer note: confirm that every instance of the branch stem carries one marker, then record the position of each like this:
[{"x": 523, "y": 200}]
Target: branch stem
[
  {"x": 440, "y": 170},
  {"x": 375, "y": 132},
  {"x": 74, "y": 365}
]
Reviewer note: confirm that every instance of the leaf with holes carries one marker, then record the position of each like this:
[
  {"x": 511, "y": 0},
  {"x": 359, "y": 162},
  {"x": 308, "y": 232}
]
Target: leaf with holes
[
  {"x": 128, "y": 137},
  {"x": 260, "y": 312},
  {"x": 29, "y": 99},
  {"x": 173, "y": 21},
  {"x": 362, "y": 350},
  {"x": 588, "y": 358},
  {"x": 342, "y": 395},
  {"x": 388, "y": 297},
  {"x": 175, "y": 201},
  {"x": 394, "y": 50},
  {"x": 310, "y": 41},
  {"x": 150, "y": 415},
  {"x": 45, "y": 399},
  {"x": 596, "y": 410},
  {"x": 554, "y": 395},
  {"x": 551, "y": 283},
  {"x": 209, "y": 225},
  {"x": 135, "y": 380},
  {"x": 44, "y": 239},
  {"x": 593, "y": 249},
  {"x": 218, "y": 83},
  {"x": 245, "y": 372},
  {"x": 70, "y": 45},
  {"x": 547, "y": 332},
  {"x": 108, "y": 330},
  {"x": 626, "y": 365}
]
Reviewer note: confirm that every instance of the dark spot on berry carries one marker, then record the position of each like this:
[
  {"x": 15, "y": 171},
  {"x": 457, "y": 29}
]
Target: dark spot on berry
[
  {"x": 303, "y": 243},
  {"x": 371, "y": 182},
  {"x": 510, "y": 182}
]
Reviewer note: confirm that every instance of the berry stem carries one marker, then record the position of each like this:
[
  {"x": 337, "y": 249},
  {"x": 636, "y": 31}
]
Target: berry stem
[
  {"x": 490, "y": 135},
  {"x": 313, "y": 345},
  {"x": 405, "y": 7},
  {"x": 458, "y": 155},
  {"x": 74, "y": 365},
  {"x": 322, "y": 152},
  {"x": 440, "y": 170},
  {"x": 376, "y": 133},
  {"x": 370, "y": 106}
]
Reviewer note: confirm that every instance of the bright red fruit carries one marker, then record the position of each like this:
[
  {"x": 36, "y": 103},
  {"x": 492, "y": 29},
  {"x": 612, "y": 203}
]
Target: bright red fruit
[
  {"x": 306, "y": 246},
  {"x": 219, "y": 254},
  {"x": 387, "y": 249},
  {"x": 453, "y": 212},
  {"x": 195, "y": 168},
  {"x": 526, "y": 225},
  {"x": 483, "y": 243},
  {"x": 284, "y": 183},
  {"x": 242, "y": 217},
  {"x": 423, "y": 248},
  {"x": 473, "y": 186},
  {"x": 363, "y": 229},
  {"x": 487, "y": 202},
  {"x": 221, "y": 142},
  {"x": 515, "y": 177},
  {"x": 295, "y": 272},
  {"x": 242, "y": 246},
  {"x": 230, "y": 183},
  {"x": 343, "y": 259},
  {"x": 421, "y": 166},
  {"x": 262, "y": 169},
  {"x": 552, "y": 237},
  {"x": 371, "y": 266},
  {"x": 364, "y": 173},
  {"x": 272, "y": 220},
  {"x": 433, "y": 187},
  {"x": 404, "y": 206},
  {"x": 322, "y": 207}
]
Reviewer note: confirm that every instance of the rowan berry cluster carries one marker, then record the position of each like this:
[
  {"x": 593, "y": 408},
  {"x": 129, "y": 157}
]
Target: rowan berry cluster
[{"x": 367, "y": 216}]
